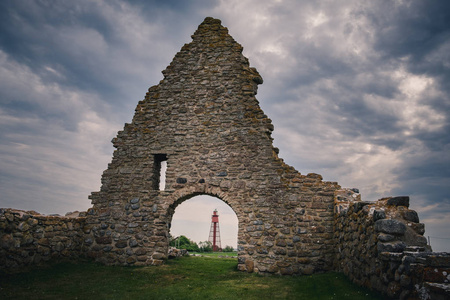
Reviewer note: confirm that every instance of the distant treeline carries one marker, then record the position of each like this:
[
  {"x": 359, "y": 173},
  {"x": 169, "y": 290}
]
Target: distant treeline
[{"x": 183, "y": 242}]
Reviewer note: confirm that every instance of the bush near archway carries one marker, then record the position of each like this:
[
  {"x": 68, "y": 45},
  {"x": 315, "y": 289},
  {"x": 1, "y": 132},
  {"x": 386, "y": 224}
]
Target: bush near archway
[{"x": 182, "y": 242}]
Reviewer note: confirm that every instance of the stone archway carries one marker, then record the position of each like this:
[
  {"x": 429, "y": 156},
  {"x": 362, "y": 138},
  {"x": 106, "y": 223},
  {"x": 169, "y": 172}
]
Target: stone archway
[
  {"x": 186, "y": 194},
  {"x": 192, "y": 218}
]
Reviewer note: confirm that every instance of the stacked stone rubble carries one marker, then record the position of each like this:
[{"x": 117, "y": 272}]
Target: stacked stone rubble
[
  {"x": 414, "y": 274},
  {"x": 381, "y": 245}
]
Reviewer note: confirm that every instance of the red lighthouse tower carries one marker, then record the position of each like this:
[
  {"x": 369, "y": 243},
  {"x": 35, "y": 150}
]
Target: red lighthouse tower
[{"x": 214, "y": 233}]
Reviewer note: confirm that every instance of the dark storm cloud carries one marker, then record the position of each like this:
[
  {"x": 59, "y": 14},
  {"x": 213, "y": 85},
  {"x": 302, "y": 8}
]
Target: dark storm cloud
[
  {"x": 428, "y": 173},
  {"x": 418, "y": 32},
  {"x": 410, "y": 28},
  {"x": 33, "y": 32},
  {"x": 90, "y": 44}
]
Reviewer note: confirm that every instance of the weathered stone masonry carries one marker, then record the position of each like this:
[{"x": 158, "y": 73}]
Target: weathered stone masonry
[
  {"x": 203, "y": 119},
  {"x": 381, "y": 245},
  {"x": 27, "y": 237}
]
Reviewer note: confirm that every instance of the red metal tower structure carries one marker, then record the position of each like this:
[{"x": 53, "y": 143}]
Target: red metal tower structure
[{"x": 214, "y": 233}]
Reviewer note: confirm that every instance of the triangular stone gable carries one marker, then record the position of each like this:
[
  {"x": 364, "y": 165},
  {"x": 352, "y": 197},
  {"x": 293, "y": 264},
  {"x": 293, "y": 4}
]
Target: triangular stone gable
[
  {"x": 206, "y": 98},
  {"x": 203, "y": 119}
]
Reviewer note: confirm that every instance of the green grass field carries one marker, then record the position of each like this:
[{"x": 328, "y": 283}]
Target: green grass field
[{"x": 184, "y": 278}]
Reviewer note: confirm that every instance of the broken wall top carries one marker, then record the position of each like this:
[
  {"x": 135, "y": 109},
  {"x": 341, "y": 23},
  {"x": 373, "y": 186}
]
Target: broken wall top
[{"x": 207, "y": 96}]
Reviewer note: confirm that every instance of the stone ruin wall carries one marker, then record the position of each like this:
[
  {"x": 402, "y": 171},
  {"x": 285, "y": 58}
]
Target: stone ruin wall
[
  {"x": 28, "y": 238},
  {"x": 380, "y": 245},
  {"x": 203, "y": 119}
]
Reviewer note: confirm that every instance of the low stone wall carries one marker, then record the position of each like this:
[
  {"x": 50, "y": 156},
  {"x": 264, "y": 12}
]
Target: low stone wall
[
  {"x": 26, "y": 238},
  {"x": 381, "y": 245}
]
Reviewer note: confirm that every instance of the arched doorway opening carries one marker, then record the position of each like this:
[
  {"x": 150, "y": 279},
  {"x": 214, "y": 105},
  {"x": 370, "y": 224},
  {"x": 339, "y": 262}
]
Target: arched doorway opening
[{"x": 192, "y": 219}]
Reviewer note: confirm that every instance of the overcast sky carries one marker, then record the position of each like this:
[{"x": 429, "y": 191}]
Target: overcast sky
[{"x": 358, "y": 92}]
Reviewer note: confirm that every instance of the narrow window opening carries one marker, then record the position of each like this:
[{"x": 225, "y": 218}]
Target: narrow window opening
[
  {"x": 160, "y": 168},
  {"x": 162, "y": 175}
]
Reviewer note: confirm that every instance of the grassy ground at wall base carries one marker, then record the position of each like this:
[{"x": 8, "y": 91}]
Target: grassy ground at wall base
[{"x": 184, "y": 278}]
